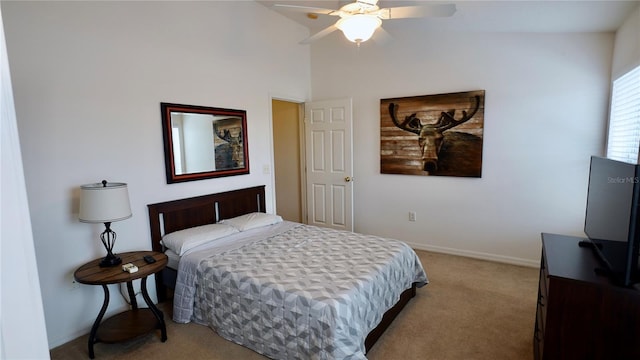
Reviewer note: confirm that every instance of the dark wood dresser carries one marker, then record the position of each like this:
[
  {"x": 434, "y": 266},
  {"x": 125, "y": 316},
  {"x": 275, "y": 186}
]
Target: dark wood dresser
[{"x": 581, "y": 315}]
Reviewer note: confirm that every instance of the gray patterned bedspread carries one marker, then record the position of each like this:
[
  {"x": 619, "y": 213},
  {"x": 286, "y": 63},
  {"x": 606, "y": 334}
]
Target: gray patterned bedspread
[{"x": 307, "y": 293}]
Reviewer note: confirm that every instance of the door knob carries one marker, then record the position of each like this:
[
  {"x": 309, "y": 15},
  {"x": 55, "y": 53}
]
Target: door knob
[{"x": 348, "y": 179}]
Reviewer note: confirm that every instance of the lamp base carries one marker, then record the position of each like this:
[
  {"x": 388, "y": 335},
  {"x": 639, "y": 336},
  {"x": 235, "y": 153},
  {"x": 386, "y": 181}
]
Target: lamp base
[
  {"x": 110, "y": 261},
  {"x": 108, "y": 238}
]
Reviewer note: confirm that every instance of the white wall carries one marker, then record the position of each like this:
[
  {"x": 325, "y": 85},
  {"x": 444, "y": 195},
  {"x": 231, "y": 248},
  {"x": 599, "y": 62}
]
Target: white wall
[
  {"x": 22, "y": 326},
  {"x": 545, "y": 112},
  {"x": 88, "y": 81},
  {"x": 627, "y": 45}
]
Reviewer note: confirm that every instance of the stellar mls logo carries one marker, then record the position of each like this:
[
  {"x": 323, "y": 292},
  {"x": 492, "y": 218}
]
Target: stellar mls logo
[{"x": 623, "y": 180}]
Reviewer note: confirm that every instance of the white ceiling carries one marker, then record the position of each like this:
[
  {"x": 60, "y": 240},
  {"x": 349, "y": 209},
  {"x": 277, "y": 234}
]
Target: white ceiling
[{"x": 491, "y": 16}]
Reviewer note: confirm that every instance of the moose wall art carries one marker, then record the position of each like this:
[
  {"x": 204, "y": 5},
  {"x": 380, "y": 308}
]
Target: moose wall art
[{"x": 432, "y": 134}]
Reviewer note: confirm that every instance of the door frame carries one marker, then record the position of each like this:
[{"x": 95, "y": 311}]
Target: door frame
[
  {"x": 302, "y": 150},
  {"x": 303, "y": 153}
]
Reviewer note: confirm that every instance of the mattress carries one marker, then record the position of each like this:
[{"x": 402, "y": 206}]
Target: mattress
[{"x": 173, "y": 259}]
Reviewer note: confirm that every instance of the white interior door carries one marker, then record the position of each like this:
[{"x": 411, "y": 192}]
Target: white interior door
[{"x": 329, "y": 161}]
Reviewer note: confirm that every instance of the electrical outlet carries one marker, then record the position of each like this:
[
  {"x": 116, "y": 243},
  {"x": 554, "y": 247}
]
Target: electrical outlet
[{"x": 412, "y": 216}]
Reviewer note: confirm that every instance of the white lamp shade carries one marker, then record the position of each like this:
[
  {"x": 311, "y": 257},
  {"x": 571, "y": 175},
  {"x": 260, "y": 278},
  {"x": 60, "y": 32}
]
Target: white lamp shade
[
  {"x": 359, "y": 27},
  {"x": 101, "y": 204}
]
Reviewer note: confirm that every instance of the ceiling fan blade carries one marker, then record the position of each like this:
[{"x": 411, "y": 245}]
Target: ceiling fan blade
[
  {"x": 306, "y": 9},
  {"x": 324, "y": 32},
  {"x": 404, "y": 12},
  {"x": 368, "y": 2}
]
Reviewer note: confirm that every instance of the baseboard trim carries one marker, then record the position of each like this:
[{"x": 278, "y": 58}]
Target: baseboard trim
[{"x": 477, "y": 255}]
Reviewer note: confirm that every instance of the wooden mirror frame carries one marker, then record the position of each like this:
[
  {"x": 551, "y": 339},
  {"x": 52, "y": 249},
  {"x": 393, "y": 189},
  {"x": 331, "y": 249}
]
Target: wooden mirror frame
[{"x": 234, "y": 148}]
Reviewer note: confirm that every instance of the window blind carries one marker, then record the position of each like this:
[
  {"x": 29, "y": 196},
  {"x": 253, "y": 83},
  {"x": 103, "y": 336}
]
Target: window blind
[{"x": 623, "y": 142}]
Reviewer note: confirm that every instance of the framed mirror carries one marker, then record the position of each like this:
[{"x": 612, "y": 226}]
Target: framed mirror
[{"x": 203, "y": 142}]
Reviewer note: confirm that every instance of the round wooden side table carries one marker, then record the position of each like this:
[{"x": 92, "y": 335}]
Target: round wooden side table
[{"x": 132, "y": 323}]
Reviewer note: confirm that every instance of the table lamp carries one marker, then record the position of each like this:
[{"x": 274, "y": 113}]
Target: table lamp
[{"x": 105, "y": 203}]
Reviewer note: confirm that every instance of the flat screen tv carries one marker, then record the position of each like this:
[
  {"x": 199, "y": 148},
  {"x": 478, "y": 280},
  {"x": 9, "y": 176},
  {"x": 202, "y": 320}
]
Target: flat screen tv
[{"x": 612, "y": 219}]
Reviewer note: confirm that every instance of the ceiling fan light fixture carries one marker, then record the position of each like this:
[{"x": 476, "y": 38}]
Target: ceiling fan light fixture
[{"x": 359, "y": 28}]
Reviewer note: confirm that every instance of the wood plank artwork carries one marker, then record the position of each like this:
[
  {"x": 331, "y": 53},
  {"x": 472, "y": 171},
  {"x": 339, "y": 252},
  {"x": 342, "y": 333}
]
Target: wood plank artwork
[{"x": 438, "y": 135}]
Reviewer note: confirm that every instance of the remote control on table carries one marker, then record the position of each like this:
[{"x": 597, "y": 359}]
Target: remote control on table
[{"x": 149, "y": 259}]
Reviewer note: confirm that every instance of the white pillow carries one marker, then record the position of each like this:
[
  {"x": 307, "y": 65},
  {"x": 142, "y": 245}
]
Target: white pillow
[
  {"x": 183, "y": 240},
  {"x": 252, "y": 220}
]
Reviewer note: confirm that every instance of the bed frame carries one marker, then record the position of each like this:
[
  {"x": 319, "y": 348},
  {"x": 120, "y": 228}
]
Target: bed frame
[
  {"x": 170, "y": 216},
  {"x": 166, "y": 217}
]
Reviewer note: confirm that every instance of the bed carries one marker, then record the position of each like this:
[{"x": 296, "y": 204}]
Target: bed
[{"x": 311, "y": 307}]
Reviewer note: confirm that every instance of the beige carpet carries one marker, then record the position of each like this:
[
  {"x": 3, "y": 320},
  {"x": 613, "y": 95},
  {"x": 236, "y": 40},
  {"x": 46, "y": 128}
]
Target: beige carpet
[{"x": 471, "y": 309}]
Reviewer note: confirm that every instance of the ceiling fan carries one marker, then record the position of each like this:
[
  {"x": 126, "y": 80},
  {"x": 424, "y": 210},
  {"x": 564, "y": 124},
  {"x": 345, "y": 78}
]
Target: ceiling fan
[{"x": 359, "y": 20}]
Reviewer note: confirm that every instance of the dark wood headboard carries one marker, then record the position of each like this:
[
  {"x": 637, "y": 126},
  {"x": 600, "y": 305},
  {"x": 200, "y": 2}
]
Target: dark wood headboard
[{"x": 170, "y": 216}]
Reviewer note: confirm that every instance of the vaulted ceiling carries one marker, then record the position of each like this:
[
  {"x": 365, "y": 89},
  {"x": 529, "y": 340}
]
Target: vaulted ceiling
[{"x": 490, "y": 16}]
